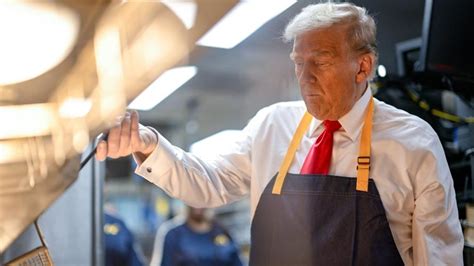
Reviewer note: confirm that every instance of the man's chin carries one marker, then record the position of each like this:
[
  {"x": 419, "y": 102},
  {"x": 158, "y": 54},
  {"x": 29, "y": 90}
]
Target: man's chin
[{"x": 318, "y": 114}]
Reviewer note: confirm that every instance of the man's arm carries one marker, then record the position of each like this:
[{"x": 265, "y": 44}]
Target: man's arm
[
  {"x": 200, "y": 183},
  {"x": 437, "y": 234}
]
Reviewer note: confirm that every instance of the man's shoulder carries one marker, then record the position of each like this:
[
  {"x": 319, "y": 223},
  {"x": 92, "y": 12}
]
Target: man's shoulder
[{"x": 396, "y": 124}]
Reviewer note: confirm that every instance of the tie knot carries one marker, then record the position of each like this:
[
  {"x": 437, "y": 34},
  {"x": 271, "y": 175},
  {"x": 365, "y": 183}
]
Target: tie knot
[{"x": 331, "y": 126}]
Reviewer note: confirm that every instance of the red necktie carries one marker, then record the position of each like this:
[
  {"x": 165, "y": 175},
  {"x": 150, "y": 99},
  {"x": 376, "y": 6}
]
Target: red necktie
[{"x": 319, "y": 157}]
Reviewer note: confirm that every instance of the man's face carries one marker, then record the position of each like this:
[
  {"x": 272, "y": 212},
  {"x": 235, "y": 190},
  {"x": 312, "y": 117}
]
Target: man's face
[
  {"x": 328, "y": 72},
  {"x": 200, "y": 214}
]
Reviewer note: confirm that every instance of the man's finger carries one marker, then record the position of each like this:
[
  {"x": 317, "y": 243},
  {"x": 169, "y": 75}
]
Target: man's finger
[
  {"x": 135, "y": 140},
  {"x": 113, "y": 141},
  {"x": 101, "y": 153},
  {"x": 125, "y": 136}
]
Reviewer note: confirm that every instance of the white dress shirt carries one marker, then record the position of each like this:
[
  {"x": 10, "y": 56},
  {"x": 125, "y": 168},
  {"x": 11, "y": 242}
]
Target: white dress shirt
[{"x": 408, "y": 166}]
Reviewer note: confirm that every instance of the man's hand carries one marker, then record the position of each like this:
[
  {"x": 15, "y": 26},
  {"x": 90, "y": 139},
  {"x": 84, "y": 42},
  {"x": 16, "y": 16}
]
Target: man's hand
[{"x": 127, "y": 137}]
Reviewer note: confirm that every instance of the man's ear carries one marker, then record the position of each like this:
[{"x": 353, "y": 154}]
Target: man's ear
[{"x": 366, "y": 63}]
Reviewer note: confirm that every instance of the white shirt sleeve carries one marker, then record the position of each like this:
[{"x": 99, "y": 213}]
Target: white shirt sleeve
[
  {"x": 436, "y": 231},
  {"x": 203, "y": 182}
]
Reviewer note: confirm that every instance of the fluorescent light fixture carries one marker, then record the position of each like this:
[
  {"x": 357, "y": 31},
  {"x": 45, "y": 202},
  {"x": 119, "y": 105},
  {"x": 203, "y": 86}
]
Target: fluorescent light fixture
[
  {"x": 161, "y": 88},
  {"x": 244, "y": 19},
  {"x": 35, "y": 37},
  {"x": 22, "y": 121},
  {"x": 185, "y": 10}
]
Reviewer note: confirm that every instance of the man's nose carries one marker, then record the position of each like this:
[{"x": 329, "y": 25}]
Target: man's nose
[{"x": 306, "y": 74}]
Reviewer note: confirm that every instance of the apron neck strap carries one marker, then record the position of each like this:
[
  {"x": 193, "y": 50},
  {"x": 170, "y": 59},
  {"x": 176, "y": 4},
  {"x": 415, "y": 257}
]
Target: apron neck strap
[
  {"x": 363, "y": 161},
  {"x": 295, "y": 143}
]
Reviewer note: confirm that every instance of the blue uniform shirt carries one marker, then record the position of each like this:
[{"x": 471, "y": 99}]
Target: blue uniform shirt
[
  {"x": 183, "y": 246},
  {"x": 119, "y": 250}
]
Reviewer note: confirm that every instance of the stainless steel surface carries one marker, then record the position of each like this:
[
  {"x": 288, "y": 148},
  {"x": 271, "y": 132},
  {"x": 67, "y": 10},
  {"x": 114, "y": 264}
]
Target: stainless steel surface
[
  {"x": 67, "y": 225},
  {"x": 109, "y": 65},
  {"x": 98, "y": 250},
  {"x": 20, "y": 208}
]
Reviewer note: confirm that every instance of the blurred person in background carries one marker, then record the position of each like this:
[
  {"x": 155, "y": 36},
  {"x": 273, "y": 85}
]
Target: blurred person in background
[
  {"x": 194, "y": 239},
  {"x": 120, "y": 246}
]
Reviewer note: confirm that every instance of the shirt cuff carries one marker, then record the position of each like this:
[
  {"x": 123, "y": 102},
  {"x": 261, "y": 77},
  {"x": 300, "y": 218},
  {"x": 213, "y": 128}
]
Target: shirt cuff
[{"x": 159, "y": 161}]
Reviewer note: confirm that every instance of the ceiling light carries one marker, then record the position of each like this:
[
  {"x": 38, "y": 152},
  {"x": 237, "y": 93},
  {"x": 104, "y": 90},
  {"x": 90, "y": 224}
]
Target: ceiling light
[
  {"x": 381, "y": 71},
  {"x": 161, "y": 88},
  {"x": 35, "y": 38},
  {"x": 244, "y": 19}
]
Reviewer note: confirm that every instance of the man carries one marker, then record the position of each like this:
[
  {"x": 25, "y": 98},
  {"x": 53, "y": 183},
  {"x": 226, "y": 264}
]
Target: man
[{"x": 308, "y": 209}]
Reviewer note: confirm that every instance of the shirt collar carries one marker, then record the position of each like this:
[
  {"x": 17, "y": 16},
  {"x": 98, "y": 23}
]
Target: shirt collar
[{"x": 351, "y": 122}]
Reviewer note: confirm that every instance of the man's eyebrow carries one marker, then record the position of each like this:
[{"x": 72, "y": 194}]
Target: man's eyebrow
[
  {"x": 294, "y": 55},
  {"x": 322, "y": 53}
]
